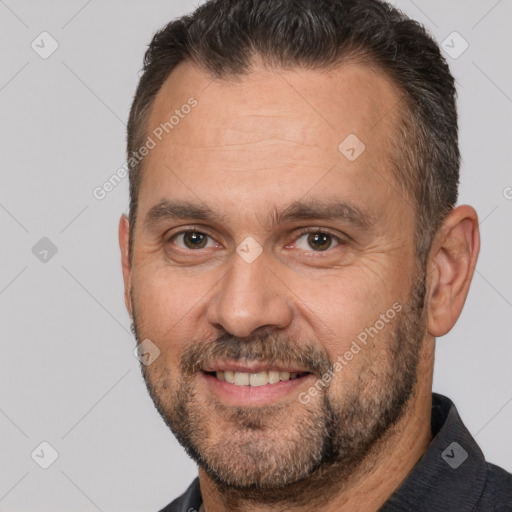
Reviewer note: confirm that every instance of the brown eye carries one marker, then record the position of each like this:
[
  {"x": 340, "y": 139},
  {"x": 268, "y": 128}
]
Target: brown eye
[
  {"x": 319, "y": 241},
  {"x": 192, "y": 240}
]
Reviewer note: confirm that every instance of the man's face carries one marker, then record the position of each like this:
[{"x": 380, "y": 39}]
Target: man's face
[{"x": 263, "y": 248}]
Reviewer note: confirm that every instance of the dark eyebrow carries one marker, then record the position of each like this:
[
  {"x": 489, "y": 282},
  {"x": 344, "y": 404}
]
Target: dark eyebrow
[
  {"x": 298, "y": 210},
  {"x": 175, "y": 210},
  {"x": 324, "y": 210}
]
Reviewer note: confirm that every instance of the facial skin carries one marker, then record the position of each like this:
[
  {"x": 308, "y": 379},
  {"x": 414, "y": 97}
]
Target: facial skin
[{"x": 251, "y": 149}]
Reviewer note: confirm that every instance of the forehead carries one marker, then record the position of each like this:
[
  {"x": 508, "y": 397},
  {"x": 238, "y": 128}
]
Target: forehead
[{"x": 273, "y": 131}]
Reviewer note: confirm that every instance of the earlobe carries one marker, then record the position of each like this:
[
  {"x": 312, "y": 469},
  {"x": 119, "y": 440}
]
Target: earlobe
[
  {"x": 452, "y": 263},
  {"x": 124, "y": 245}
]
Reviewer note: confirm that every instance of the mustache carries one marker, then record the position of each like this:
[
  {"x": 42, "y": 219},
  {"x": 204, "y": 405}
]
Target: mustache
[{"x": 269, "y": 347}]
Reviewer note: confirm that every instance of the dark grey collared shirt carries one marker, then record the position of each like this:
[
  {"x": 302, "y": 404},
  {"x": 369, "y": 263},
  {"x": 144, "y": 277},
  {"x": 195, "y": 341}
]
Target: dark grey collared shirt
[{"x": 452, "y": 475}]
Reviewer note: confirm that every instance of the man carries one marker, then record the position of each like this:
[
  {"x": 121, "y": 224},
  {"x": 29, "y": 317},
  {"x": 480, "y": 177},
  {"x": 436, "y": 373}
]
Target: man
[{"x": 292, "y": 251}]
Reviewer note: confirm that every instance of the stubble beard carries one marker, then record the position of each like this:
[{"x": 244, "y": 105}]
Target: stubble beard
[{"x": 271, "y": 454}]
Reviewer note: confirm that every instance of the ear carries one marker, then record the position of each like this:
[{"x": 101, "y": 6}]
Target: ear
[
  {"x": 124, "y": 244},
  {"x": 451, "y": 266}
]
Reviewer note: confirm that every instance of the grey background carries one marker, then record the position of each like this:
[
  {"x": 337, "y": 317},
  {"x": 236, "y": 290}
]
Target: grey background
[{"x": 67, "y": 372}]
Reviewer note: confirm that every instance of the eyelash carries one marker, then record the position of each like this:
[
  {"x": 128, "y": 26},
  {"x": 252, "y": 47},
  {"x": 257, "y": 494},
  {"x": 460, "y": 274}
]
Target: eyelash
[{"x": 301, "y": 232}]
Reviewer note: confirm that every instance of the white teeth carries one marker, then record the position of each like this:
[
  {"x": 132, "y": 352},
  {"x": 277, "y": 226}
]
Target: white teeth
[
  {"x": 241, "y": 379},
  {"x": 273, "y": 377},
  {"x": 255, "y": 379},
  {"x": 258, "y": 379}
]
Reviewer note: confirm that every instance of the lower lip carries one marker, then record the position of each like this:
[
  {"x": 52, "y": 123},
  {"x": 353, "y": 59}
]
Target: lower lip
[{"x": 255, "y": 395}]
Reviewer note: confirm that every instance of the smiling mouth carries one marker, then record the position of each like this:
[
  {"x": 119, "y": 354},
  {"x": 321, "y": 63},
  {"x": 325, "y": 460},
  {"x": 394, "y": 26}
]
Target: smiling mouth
[{"x": 263, "y": 378}]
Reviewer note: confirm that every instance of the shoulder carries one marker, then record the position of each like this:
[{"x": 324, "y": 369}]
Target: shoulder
[{"x": 497, "y": 493}]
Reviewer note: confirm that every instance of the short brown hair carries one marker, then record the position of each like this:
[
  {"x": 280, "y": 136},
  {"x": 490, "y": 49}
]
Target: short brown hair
[{"x": 224, "y": 36}]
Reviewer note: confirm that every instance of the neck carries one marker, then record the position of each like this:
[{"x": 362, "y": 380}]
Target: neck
[{"x": 382, "y": 471}]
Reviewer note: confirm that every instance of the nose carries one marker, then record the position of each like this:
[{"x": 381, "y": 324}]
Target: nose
[{"x": 249, "y": 297}]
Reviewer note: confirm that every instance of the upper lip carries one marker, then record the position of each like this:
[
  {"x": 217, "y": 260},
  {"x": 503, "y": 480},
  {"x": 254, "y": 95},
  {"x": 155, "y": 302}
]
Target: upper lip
[{"x": 251, "y": 367}]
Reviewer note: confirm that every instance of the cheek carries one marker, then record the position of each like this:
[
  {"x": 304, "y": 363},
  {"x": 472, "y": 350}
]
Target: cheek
[
  {"x": 362, "y": 364},
  {"x": 346, "y": 303},
  {"x": 164, "y": 312},
  {"x": 354, "y": 316}
]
